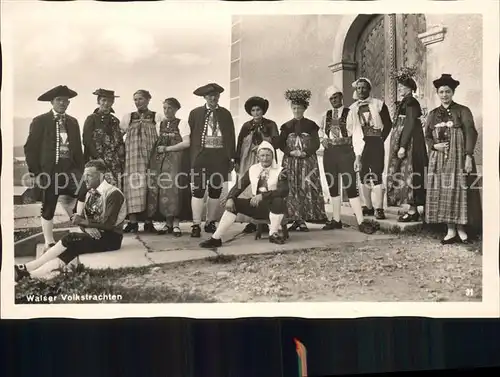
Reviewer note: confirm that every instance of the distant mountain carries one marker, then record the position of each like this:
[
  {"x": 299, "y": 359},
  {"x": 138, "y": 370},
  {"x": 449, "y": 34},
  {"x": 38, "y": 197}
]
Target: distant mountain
[
  {"x": 19, "y": 151},
  {"x": 21, "y": 128}
]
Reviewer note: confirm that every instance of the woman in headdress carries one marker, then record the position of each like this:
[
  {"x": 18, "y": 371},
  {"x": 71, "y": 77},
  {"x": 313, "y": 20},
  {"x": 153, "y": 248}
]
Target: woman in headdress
[
  {"x": 103, "y": 139},
  {"x": 451, "y": 136},
  {"x": 168, "y": 192},
  {"x": 408, "y": 154},
  {"x": 141, "y": 128},
  {"x": 299, "y": 142},
  {"x": 252, "y": 134}
]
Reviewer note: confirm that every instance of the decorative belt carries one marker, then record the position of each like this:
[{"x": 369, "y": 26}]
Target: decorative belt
[
  {"x": 372, "y": 132},
  {"x": 341, "y": 141},
  {"x": 213, "y": 142}
]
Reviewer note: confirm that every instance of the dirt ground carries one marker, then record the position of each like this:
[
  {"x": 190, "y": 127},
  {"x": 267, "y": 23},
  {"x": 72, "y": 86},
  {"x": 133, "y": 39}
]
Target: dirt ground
[{"x": 408, "y": 268}]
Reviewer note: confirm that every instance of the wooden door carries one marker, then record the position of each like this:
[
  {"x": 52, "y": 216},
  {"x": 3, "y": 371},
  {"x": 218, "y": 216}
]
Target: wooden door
[{"x": 370, "y": 55}]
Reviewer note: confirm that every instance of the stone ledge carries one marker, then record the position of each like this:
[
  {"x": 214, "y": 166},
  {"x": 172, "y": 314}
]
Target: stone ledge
[
  {"x": 433, "y": 34},
  {"x": 27, "y": 247},
  {"x": 340, "y": 66},
  {"x": 390, "y": 225}
]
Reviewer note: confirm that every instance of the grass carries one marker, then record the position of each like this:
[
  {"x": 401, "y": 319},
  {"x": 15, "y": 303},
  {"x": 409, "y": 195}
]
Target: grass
[{"x": 83, "y": 281}]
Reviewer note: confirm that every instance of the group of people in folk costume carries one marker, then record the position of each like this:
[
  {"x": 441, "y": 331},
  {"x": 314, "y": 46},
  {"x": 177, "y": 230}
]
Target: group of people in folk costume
[{"x": 159, "y": 167}]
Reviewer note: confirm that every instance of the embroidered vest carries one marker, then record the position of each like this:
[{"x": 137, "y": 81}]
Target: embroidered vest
[
  {"x": 367, "y": 122},
  {"x": 272, "y": 180},
  {"x": 336, "y": 129},
  {"x": 212, "y": 136},
  {"x": 100, "y": 206}
]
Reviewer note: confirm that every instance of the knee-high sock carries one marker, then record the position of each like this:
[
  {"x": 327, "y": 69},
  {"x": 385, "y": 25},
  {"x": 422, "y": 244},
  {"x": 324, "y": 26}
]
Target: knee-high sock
[
  {"x": 47, "y": 229},
  {"x": 275, "y": 223},
  {"x": 462, "y": 232},
  {"x": 47, "y": 270},
  {"x": 452, "y": 231},
  {"x": 367, "y": 195},
  {"x": 213, "y": 206},
  {"x": 336, "y": 202},
  {"x": 356, "y": 208},
  {"x": 50, "y": 254},
  {"x": 80, "y": 206},
  {"x": 225, "y": 223},
  {"x": 378, "y": 193},
  {"x": 197, "y": 207}
]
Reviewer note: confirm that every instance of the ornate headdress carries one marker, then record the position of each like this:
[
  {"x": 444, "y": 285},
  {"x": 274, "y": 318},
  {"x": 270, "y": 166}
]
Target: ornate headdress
[
  {"x": 298, "y": 96},
  {"x": 405, "y": 76}
]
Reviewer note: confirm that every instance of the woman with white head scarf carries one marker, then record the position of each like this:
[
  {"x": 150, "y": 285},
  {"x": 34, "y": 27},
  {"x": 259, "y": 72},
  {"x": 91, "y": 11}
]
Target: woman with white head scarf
[{"x": 269, "y": 185}]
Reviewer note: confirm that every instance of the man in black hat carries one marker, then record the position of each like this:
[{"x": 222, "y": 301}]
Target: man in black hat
[
  {"x": 54, "y": 156},
  {"x": 212, "y": 153}
]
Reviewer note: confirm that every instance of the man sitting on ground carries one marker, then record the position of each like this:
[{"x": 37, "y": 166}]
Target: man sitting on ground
[
  {"x": 100, "y": 221},
  {"x": 269, "y": 184}
]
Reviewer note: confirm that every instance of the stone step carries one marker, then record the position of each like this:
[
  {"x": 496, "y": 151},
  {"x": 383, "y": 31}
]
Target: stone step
[
  {"x": 27, "y": 247},
  {"x": 397, "y": 211},
  {"x": 390, "y": 224}
]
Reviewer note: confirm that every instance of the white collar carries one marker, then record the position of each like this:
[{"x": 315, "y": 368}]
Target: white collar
[
  {"x": 209, "y": 108},
  {"x": 56, "y": 113},
  {"x": 102, "y": 187}
]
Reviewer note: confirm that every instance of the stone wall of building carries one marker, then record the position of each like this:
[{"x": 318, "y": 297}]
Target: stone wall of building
[
  {"x": 286, "y": 51},
  {"x": 458, "y": 50},
  {"x": 295, "y": 51}
]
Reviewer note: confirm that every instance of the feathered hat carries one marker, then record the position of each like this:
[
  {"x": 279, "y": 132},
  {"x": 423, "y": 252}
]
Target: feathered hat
[
  {"x": 405, "y": 76},
  {"x": 298, "y": 96}
]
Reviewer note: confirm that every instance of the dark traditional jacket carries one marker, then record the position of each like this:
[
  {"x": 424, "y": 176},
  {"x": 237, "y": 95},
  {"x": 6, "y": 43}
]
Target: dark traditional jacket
[
  {"x": 281, "y": 190},
  {"x": 460, "y": 115},
  {"x": 412, "y": 129},
  {"x": 91, "y": 123},
  {"x": 40, "y": 147},
  {"x": 196, "y": 122},
  {"x": 298, "y": 126},
  {"x": 270, "y": 129}
]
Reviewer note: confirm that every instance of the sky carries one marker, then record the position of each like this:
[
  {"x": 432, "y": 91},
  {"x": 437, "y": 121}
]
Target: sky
[{"x": 167, "y": 50}]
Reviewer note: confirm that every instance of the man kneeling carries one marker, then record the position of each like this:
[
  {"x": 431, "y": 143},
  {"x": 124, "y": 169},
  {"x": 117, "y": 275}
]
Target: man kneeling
[
  {"x": 269, "y": 184},
  {"x": 101, "y": 223}
]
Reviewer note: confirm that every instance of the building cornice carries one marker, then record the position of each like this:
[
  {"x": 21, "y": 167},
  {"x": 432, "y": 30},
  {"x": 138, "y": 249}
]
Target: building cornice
[
  {"x": 433, "y": 34},
  {"x": 342, "y": 66}
]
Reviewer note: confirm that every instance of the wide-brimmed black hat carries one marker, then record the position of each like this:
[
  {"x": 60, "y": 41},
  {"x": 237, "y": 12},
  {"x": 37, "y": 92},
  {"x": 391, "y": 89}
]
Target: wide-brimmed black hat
[
  {"x": 105, "y": 93},
  {"x": 58, "y": 91},
  {"x": 256, "y": 101},
  {"x": 204, "y": 90},
  {"x": 446, "y": 80}
]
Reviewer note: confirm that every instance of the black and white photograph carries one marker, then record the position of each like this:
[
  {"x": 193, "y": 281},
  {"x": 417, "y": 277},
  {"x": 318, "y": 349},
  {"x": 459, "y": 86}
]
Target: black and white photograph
[{"x": 313, "y": 159}]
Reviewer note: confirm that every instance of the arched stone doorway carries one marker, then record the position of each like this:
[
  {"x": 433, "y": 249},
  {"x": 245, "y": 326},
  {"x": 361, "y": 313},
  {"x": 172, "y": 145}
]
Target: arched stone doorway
[{"x": 375, "y": 46}]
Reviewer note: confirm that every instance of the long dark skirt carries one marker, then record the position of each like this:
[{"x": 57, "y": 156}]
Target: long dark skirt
[
  {"x": 305, "y": 200},
  {"x": 169, "y": 192},
  {"x": 406, "y": 177},
  {"x": 452, "y": 196}
]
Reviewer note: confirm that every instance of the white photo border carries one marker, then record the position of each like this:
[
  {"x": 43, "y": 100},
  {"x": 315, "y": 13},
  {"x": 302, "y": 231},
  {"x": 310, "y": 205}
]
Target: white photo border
[{"x": 490, "y": 305}]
